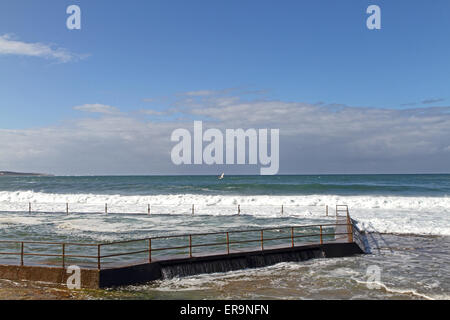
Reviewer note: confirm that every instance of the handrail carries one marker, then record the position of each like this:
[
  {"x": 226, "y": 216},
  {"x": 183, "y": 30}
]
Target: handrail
[
  {"x": 191, "y": 246},
  {"x": 63, "y": 245},
  {"x": 158, "y": 205},
  {"x": 147, "y": 208},
  {"x": 320, "y": 232},
  {"x": 218, "y": 232}
]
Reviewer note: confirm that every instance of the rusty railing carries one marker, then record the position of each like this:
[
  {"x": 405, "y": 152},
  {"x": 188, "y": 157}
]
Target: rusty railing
[
  {"x": 63, "y": 249},
  {"x": 290, "y": 237},
  {"x": 149, "y": 209}
]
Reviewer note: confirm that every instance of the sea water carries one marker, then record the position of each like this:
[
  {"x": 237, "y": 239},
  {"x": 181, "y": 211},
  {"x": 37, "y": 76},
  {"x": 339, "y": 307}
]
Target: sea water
[{"x": 406, "y": 218}]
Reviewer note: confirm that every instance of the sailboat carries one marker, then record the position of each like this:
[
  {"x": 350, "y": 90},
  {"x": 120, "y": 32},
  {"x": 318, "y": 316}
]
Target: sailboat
[{"x": 221, "y": 176}]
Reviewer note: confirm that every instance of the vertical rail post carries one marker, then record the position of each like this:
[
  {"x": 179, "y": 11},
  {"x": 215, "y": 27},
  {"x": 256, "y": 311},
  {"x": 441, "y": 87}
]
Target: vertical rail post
[
  {"x": 149, "y": 250},
  {"x": 282, "y": 209},
  {"x": 148, "y": 209},
  {"x": 98, "y": 257},
  {"x": 67, "y": 207},
  {"x": 321, "y": 238},
  {"x": 262, "y": 240},
  {"x": 29, "y": 207},
  {"x": 292, "y": 236},
  {"x": 192, "y": 209},
  {"x": 349, "y": 228},
  {"x": 239, "y": 209},
  {"x": 106, "y": 208},
  {"x": 21, "y": 254},
  {"x": 228, "y": 243},
  {"x": 327, "y": 210},
  {"x": 63, "y": 255},
  {"x": 190, "y": 246}
]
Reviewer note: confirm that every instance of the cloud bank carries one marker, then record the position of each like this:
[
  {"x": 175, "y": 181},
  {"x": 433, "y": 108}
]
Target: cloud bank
[{"x": 313, "y": 138}]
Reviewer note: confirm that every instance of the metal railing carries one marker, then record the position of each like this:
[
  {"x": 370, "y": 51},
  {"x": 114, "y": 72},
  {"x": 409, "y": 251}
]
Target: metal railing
[
  {"x": 292, "y": 236},
  {"x": 149, "y": 209},
  {"x": 45, "y": 245},
  {"x": 352, "y": 232}
]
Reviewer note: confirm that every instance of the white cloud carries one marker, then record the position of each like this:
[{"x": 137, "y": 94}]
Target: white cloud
[
  {"x": 314, "y": 139},
  {"x": 97, "y": 108},
  {"x": 200, "y": 93},
  {"x": 432, "y": 100},
  {"x": 8, "y": 46},
  {"x": 152, "y": 112}
]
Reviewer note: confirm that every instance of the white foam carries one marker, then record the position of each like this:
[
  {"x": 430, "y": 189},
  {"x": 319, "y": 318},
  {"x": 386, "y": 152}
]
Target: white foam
[
  {"x": 399, "y": 291},
  {"x": 387, "y": 214},
  {"x": 5, "y": 222}
]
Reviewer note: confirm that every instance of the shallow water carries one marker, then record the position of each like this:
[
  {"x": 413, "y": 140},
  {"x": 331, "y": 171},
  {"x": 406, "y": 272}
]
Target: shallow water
[{"x": 411, "y": 267}]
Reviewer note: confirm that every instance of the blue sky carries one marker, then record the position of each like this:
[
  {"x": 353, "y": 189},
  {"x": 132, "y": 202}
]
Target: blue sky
[{"x": 137, "y": 55}]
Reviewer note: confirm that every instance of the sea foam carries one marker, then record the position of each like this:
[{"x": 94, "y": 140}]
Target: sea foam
[{"x": 386, "y": 214}]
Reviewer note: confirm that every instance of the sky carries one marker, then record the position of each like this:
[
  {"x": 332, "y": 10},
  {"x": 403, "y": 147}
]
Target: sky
[{"x": 105, "y": 99}]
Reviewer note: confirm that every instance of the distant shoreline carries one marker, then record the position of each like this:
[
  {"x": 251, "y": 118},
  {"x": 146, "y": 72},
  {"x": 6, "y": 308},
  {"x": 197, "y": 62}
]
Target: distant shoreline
[{"x": 14, "y": 174}]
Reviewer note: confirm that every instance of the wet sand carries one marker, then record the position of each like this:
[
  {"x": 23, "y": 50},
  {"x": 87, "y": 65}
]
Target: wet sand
[{"x": 28, "y": 290}]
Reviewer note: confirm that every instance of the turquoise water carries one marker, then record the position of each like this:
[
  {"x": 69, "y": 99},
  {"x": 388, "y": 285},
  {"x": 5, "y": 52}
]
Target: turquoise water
[{"x": 408, "y": 185}]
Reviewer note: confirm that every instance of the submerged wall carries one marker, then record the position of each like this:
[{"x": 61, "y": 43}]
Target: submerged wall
[
  {"x": 89, "y": 277},
  {"x": 139, "y": 274},
  {"x": 222, "y": 263}
]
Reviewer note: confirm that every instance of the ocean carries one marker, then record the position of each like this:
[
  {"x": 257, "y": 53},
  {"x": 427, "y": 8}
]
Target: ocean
[{"x": 406, "y": 218}]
